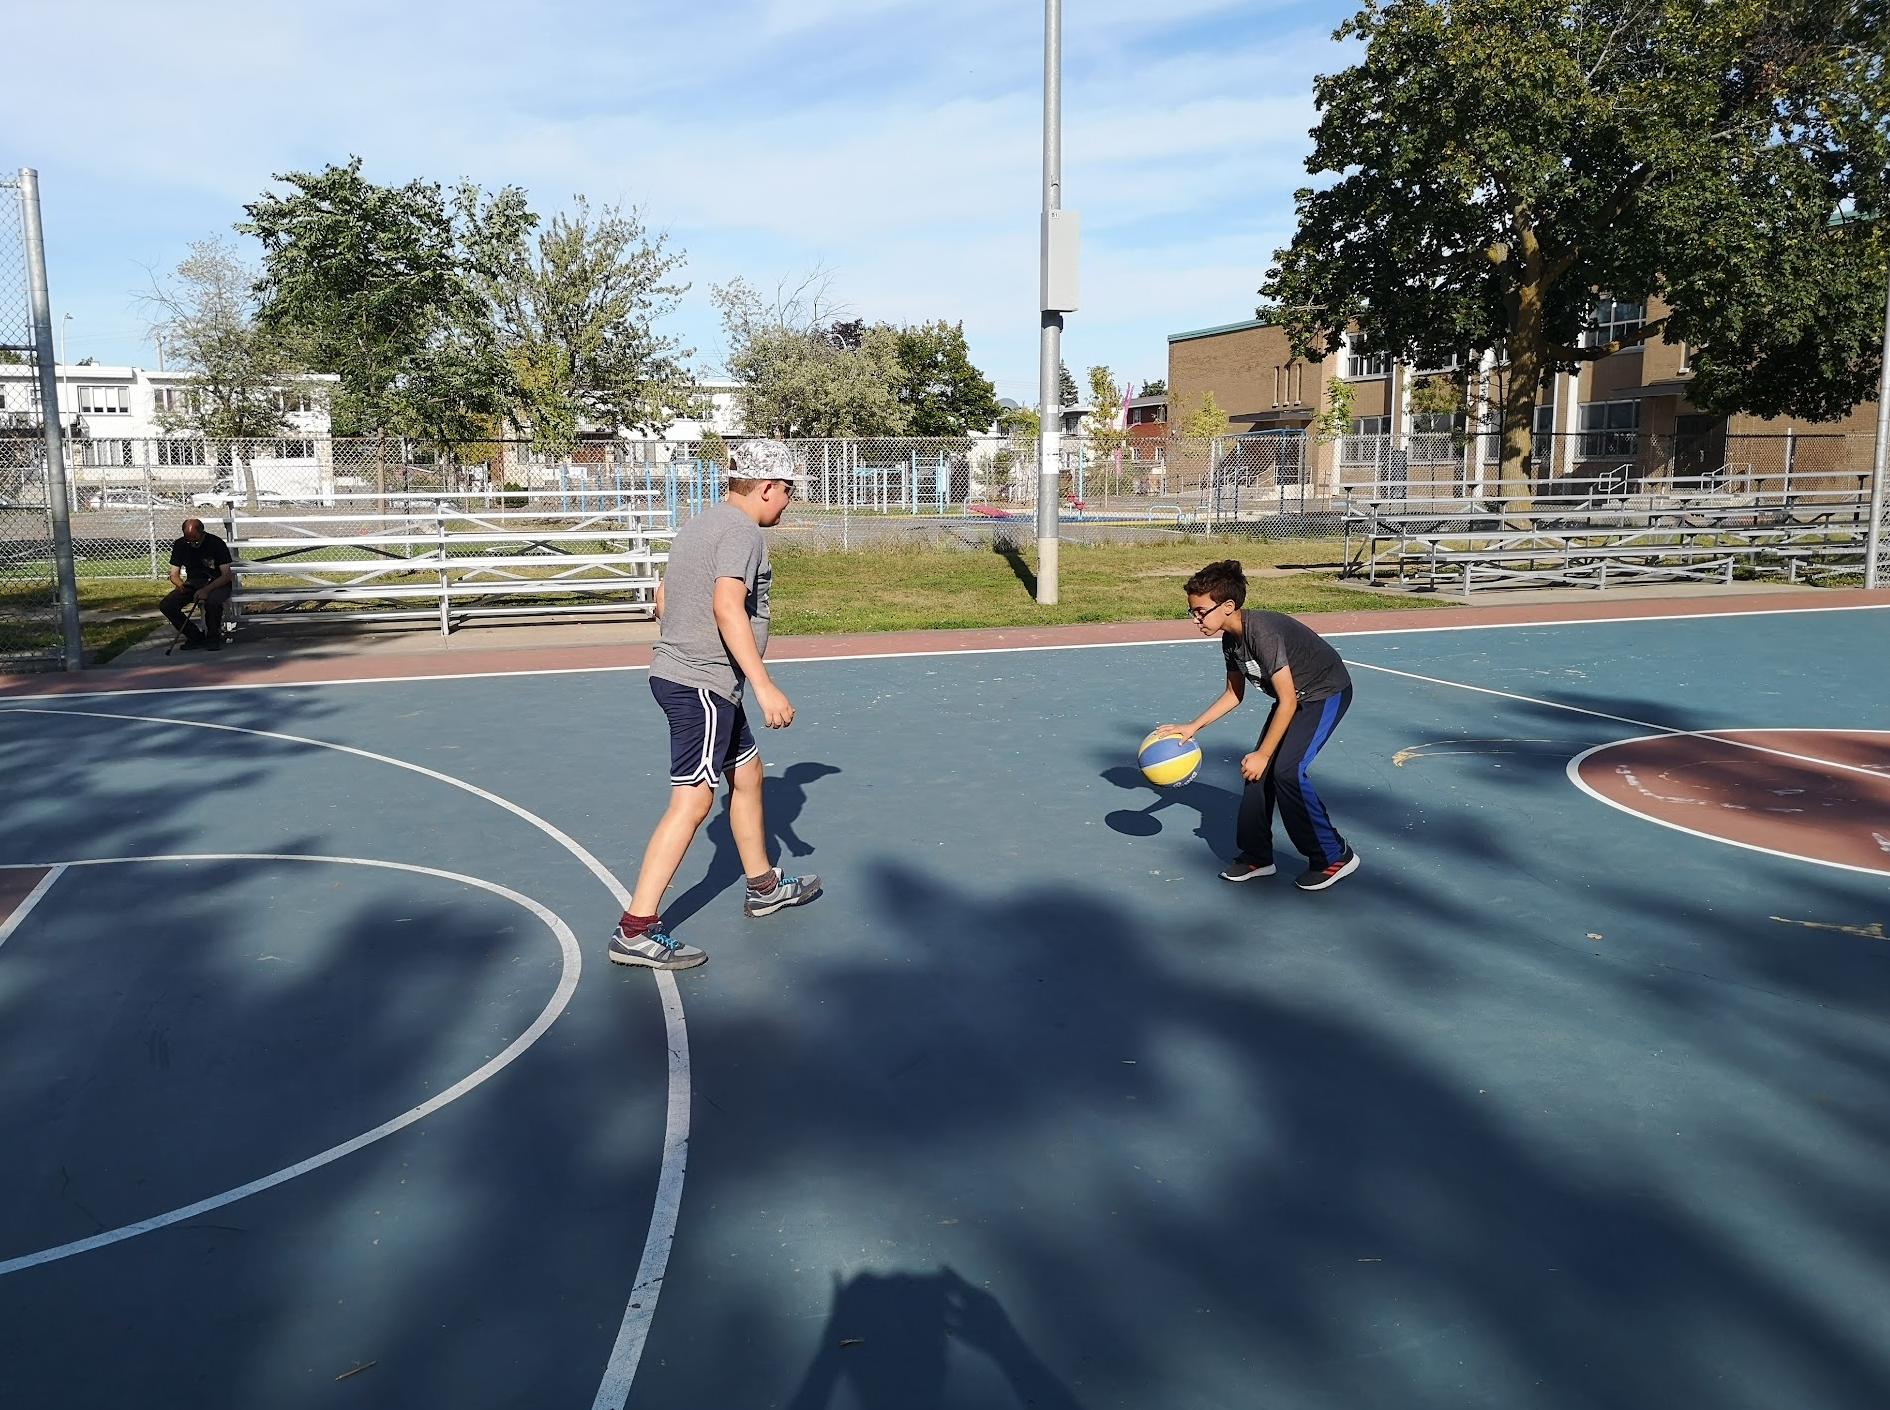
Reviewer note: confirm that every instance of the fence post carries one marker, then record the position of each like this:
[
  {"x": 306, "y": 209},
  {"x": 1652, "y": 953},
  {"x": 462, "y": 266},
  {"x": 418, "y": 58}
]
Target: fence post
[
  {"x": 150, "y": 503},
  {"x": 39, "y": 301}
]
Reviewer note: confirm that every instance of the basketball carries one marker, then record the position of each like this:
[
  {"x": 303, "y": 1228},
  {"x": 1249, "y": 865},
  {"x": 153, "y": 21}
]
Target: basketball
[{"x": 1167, "y": 760}]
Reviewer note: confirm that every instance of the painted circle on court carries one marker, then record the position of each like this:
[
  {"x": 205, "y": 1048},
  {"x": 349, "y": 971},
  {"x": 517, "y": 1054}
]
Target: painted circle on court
[
  {"x": 570, "y": 966},
  {"x": 1816, "y": 795}
]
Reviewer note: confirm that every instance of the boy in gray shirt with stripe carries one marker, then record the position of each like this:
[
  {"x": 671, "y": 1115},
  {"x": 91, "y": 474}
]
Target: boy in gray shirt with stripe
[{"x": 713, "y": 606}]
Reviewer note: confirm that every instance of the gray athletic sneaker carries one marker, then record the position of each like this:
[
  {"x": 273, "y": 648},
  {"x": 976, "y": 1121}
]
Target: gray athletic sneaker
[
  {"x": 788, "y": 891},
  {"x": 653, "y": 949}
]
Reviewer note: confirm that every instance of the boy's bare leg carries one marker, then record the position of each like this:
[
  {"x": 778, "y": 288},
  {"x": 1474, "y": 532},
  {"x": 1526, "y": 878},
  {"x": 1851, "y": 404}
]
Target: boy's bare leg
[
  {"x": 688, "y": 806},
  {"x": 745, "y": 818}
]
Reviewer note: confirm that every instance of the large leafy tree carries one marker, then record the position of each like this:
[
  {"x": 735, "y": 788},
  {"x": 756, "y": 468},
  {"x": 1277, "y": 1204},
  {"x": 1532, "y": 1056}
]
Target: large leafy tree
[
  {"x": 1497, "y": 165},
  {"x": 575, "y": 310},
  {"x": 942, "y": 392},
  {"x": 384, "y": 286},
  {"x": 801, "y": 375},
  {"x": 240, "y": 369}
]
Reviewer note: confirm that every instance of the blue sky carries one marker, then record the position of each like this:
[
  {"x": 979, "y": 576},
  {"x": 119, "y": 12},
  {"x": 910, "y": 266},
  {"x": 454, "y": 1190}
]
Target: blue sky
[{"x": 892, "y": 142}]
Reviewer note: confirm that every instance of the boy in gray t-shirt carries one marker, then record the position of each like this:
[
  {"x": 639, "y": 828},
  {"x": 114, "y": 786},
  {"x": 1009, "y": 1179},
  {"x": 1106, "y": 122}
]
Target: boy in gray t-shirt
[
  {"x": 713, "y": 606},
  {"x": 1311, "y": 692}
]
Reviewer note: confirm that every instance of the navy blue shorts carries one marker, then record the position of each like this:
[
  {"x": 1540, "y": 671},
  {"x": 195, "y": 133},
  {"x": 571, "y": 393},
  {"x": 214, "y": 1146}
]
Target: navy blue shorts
[{"x": 708, "y": 736}]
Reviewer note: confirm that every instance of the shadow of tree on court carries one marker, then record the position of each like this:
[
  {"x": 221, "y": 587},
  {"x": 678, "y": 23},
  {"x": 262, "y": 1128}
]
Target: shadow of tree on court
[
  {"x": 783, "y": 797},
  {"x": 891, "y": 1340},
  {"x": 1229, "y": 1163}
]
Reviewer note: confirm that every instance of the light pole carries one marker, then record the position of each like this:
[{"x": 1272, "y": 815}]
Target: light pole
[
  {"x": 1873, "y": 540},
  {"x": 65, "y": 322},
  {"x": 1058, "y": 290}
]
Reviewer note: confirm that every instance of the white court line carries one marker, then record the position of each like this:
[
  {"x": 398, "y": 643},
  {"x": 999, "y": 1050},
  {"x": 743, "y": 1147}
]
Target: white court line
[
  {"x": 12, "y": 922},
  {"x": 841, "y": 658},
  {"x": 1659, "y": 729},
  {"x": 570, "y": 967},
  {"x": 1573, "y": 769},
  {"x": 621, "y": 1368}
]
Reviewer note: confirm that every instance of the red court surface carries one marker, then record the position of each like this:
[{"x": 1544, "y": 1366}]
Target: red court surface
[{"x": 1818, "y": 795}]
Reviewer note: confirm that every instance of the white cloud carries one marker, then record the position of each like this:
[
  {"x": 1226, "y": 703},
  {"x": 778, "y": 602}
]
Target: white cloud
[{"x": 895, "y": 141}]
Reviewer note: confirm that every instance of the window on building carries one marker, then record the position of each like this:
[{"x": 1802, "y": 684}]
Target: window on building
[
  {"x": 295, "y": 450},
  {"x": 1610, "y": 430},
  {"x": 287, "y": 402},
  {"x": 1614, "y": 319},
  {"x": 180, "y": 452},
  {"x": 1452, "y": 363},
  {"x": 107, "y": 454},
  {"x": 104, "y": 401},
  {"x": 1367, "y": 441},
  {"x": 1361, "y": 361},
  {"x": 176, "y": 399}
]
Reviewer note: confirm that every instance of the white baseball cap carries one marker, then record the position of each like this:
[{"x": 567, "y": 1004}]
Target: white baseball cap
[{"x": 763, "y": 460}]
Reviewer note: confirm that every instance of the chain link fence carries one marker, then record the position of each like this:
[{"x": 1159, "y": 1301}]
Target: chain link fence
[
  {"x": 128, "y": 497},
  {"x": 29, "y": 602}
]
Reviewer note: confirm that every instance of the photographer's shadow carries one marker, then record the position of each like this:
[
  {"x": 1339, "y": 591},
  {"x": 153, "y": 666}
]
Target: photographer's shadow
[
  {"x": 783, "y": 796},
  {"x": 890, "y": 1337}
]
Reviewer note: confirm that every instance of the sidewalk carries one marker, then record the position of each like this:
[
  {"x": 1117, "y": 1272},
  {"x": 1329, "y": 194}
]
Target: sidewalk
[{"x": 328, "y": 654}]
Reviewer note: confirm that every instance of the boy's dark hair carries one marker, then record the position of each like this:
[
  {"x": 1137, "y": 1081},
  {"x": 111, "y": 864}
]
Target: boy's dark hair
[{"x": 1222, "y": 581}]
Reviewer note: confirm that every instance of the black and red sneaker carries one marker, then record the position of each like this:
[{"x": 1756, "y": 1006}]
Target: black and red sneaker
[{"x": 1319, "y": 878}]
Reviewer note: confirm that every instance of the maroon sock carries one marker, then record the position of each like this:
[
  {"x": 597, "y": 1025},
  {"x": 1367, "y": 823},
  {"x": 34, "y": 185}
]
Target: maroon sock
[
  {"x": 638, "y": 925},
  {"x": 763, "y": 884}
]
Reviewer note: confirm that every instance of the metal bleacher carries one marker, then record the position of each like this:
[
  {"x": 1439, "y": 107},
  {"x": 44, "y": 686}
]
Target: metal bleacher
[
  {"x": 1604, "y": 531},
  {"x": 450, "y": 558}
]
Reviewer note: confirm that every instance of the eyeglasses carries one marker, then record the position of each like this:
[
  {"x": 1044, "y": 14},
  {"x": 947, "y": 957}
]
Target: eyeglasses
[
  {"x": 787, "y": 488},
  {"x": 1201, "y": 614}
]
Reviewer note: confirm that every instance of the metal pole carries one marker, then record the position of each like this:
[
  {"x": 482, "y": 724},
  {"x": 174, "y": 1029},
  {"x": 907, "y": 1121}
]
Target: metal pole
[
  {"x": 1050, "y": 352},
  {"x": 1873, "y": 541},
  {"x": 57, "y": 504}
]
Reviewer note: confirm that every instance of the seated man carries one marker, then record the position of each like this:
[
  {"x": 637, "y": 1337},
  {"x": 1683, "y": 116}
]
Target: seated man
[{"x": 200, "y": 569}]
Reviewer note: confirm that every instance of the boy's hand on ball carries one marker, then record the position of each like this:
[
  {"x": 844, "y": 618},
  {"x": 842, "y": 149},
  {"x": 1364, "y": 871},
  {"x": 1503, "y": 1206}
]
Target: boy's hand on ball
[
  {"x": 1179, "y": 731},
  {"x": 1253, "y": 767}
]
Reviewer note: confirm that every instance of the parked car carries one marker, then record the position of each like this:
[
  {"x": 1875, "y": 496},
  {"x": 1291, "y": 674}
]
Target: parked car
[
  {"x": 129, "y": 499},
  {"x": 237, "y": 499}
]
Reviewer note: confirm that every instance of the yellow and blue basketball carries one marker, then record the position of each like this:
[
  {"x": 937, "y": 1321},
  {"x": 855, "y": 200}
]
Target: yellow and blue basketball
[{"x": 1168, "y": 760}]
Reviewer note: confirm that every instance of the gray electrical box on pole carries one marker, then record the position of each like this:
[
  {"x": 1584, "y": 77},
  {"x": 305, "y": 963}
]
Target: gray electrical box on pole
[{"x": 1062, "y": 234}]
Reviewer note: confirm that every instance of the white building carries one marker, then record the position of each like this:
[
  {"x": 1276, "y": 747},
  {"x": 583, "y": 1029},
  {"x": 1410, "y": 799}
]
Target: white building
[{"x": 113, "y": 418}]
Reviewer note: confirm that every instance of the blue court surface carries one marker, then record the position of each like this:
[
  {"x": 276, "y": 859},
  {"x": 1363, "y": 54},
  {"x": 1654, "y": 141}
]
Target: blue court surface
[{"x": 317, "y": 1090}]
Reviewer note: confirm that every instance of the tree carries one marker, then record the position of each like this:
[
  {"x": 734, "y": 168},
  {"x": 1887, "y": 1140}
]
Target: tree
[
  {"x": 942, "y": 393},
  {"x": 1021, "y": 423},
  {"x": 1206, "y": 421},
  {"x": 1066, "y": 387},
  {"x": 384, "y": 285},
  {"x": 796, "y": 379},
  {"x": 1633, "y": 148},
  {"x": 574, "y": 312},
  {"x": 240, "y": 369},
  {"x": 1335, "y": 417},
  {"x": 1105, "y": 401},
  {"x": 1155, "y": 387}
]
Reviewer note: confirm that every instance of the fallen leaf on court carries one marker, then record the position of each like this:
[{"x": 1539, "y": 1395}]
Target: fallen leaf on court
[
  {"x": 364, "y": 1366},
  {"x": 1593, "y": 936},
  {"x": 1873, "y": 931},
  {"x": 852, "y": 1341}
]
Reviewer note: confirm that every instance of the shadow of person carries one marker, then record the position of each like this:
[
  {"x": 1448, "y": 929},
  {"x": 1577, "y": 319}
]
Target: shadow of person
[
  {"x": 1215, "y": 808},
  {"x": 889, "y": 1339},
  {"x": 783, "y": 796}
]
